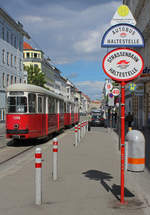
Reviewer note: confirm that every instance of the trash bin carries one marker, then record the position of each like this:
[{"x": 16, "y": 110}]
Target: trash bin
[{"x": 136, "y": 150}]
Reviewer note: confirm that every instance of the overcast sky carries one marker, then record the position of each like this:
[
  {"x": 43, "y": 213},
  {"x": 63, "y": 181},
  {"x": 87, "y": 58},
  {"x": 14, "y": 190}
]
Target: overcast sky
[{"x": 69, "y": 32}]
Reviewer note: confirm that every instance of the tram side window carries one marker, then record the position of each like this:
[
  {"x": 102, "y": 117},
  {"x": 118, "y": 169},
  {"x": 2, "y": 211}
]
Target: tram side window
[
  {"x": 65, "y": 108},
  {"x": 61, "y": 107},
  {"x": 32, "y": 102},
  {"x": 51, "y": 105},
  {"x": 39, "y": 104}
]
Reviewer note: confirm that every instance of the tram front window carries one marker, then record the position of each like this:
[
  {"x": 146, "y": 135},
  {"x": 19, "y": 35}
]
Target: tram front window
[{"x": 17, "y": 104}]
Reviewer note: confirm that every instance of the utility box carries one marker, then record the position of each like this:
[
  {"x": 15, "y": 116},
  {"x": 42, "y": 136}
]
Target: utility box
[{"x": 136, "y": 150}]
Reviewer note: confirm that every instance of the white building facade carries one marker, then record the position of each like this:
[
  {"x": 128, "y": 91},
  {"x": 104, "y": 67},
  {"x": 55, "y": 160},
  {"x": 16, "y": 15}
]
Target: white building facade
[{"x": 11, "y": 52}]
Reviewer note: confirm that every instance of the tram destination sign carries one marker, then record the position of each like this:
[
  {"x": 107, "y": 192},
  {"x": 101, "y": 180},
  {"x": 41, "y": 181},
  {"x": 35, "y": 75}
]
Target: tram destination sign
[
  {"x": 122, "y": 35},
  {"x": 123, "y": 64}
]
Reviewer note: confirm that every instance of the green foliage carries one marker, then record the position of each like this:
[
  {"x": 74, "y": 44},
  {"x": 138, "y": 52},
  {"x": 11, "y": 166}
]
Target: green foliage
[{"x": 35, "y": 76}]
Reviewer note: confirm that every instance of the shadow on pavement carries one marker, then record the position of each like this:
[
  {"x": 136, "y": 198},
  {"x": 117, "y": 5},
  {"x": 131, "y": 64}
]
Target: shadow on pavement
[{"x": 103, "y": 177}]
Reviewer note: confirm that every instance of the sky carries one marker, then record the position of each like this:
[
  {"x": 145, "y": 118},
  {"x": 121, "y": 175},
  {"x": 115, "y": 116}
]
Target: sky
[{"x": 69, "y": 32}]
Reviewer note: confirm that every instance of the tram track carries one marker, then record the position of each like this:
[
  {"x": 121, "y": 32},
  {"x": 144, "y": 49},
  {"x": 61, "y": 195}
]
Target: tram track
[{"x": 8, "y": 153}]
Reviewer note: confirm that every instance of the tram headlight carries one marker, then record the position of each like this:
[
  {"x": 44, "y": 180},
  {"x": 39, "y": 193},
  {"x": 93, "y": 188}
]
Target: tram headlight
[{"x": 16, "y": 126}]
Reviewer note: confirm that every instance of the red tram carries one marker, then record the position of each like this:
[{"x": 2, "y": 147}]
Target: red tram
[{"x": 34, "y": 112}]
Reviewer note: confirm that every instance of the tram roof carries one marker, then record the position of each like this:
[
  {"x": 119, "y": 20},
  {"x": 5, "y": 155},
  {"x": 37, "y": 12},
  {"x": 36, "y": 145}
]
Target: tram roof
[{"x": 32, "y": 88}]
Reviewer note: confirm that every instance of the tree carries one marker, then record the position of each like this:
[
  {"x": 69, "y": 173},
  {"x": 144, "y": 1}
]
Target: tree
[{"x": 35, "y": 76}]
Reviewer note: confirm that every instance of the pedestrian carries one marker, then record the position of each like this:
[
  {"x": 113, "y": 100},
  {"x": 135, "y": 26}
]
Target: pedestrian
[
  {"x": 129, "y": 119},
  {"x": 89, "y": 122}
]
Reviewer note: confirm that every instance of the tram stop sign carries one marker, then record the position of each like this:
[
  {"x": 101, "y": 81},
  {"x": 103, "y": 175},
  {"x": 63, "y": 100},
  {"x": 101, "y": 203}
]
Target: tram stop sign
[{"x": 123, "y": 64}]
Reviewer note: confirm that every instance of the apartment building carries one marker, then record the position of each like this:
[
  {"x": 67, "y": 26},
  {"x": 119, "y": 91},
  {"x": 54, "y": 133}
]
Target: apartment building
[{"x": 11, "y": 52}]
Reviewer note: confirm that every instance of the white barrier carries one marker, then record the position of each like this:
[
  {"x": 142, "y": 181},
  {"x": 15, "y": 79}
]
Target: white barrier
[
  {"x": 55, "y": 159},
  {"x": 38, "y": 176}
]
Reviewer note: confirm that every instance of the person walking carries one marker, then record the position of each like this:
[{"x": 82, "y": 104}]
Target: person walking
[{"x": 129, "y": 119}]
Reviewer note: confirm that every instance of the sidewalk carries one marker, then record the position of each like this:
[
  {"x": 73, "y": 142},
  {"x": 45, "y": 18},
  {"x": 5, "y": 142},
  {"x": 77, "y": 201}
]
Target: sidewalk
[{"x": 88, "y": 184}]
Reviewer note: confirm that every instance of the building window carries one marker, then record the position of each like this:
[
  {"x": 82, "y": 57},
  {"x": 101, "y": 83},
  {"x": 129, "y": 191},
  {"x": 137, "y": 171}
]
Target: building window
[
  {"x": 3, "y": 79},
  {"x": 15, "y": 61},
  {"x": 7, "y": 80},
  {"x": 11, "y": 60},
  {"x": 3, "y": 33},
  {"x": 31, "y": 54},
  {"x": 8, "y": 58},
  {"x": 23, "y": 55},
  {"x": 28, "y": 54},
  {"x": 15, "y": 42},
  {"x": 35, "y": 55},
  {"x": 20, "y": 65},
  {"x": 3, "y": 56},
  {"x": 11, "y": 79},
  {"x": 8, "y": 36},
  {"x": 11, "y": 39}
]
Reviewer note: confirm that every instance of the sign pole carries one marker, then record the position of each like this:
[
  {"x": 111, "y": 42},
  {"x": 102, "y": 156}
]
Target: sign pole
[{"x": 122, "y": 139}]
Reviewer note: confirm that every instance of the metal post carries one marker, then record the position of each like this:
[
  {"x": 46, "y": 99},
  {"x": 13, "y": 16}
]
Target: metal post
[
  {"x": 76, "y": 135},
  {"x": 38, "y": 176},
  {"x": 122, "y": 139},
  {"x": 79, "y": 133},
  {"x": 126, "y": 155},
  {"x": 55, "y": 158}
]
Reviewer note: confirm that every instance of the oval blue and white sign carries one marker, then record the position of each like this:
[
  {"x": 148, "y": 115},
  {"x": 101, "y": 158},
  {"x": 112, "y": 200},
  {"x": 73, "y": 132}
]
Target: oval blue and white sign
[{"x": 122, "y": 35}]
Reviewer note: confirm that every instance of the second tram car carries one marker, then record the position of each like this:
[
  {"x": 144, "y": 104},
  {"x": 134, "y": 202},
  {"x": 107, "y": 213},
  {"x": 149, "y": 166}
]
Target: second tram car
[{"x": 34, "y": 112}]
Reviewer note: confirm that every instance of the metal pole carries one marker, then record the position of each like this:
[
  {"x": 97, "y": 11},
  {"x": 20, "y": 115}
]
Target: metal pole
[
  {"x": 76, "y": 135},
  {"x": 122, "y": 139},
  {"x": 79, "y": 133},
  {"x": 38, "y": 176},
  {"x": 55, "y": 158}
]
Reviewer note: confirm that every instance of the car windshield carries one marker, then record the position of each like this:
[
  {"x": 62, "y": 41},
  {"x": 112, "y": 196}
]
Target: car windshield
[{"x": 97, "y": 116}]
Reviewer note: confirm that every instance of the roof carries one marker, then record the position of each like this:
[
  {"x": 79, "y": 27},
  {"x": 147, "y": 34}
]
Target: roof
[
  {"x": 18, "y": 26},
  {"x": 27, "y": 46},
  {"x": 32, "y": 88}
]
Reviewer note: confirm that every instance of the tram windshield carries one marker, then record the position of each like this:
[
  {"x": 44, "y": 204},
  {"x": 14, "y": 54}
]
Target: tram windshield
[{"x": 17, "y": 104}]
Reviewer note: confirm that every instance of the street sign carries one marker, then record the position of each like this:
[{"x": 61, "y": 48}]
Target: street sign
[
  {"x": 123, "y": 64},
  {"x": 115, "y": 91},
  {"x": 108, "y": 86},
  {"x": 132, "y": 87},
  {"x": 111, "y": 100},
  {"x": 123, "y": 15},
  {"x": 122, "y": 35}
]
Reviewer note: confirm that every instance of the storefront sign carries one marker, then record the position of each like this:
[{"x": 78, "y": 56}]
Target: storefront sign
[
  {"x": 123, "y": 64},
  {"x": 123, "y": 15},
  {"x": 139, "y": 89},
  {"x": 122, "y": 35}
]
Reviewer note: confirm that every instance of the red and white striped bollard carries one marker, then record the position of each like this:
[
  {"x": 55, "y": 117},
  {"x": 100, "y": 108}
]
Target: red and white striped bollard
[
  {"x": 55, "y": 159},
  {"x": 38, "y": 176}
]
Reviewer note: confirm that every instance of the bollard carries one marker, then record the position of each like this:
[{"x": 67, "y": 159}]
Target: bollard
[
  {"x": 84, "y": 127},
  {"x": 38, "y": 176},
  {"x": 79, "y": 137},
  {"x": 55, "y": 158},
  {"x": 82, "y": 130},
  {"x": 76, "y": 135},
  {"x": 136, "y": 150}
]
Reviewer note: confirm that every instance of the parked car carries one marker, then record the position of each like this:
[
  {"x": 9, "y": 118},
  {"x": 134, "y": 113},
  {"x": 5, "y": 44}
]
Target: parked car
[{"x": 97, "y": 120}]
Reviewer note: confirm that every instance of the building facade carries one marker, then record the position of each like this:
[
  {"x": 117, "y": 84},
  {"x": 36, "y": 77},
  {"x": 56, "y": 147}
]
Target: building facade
[
  {"x": 54, "y": 81},
  {"x": 11, "y": 52},
  {"x": 141, "y": 101}
]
